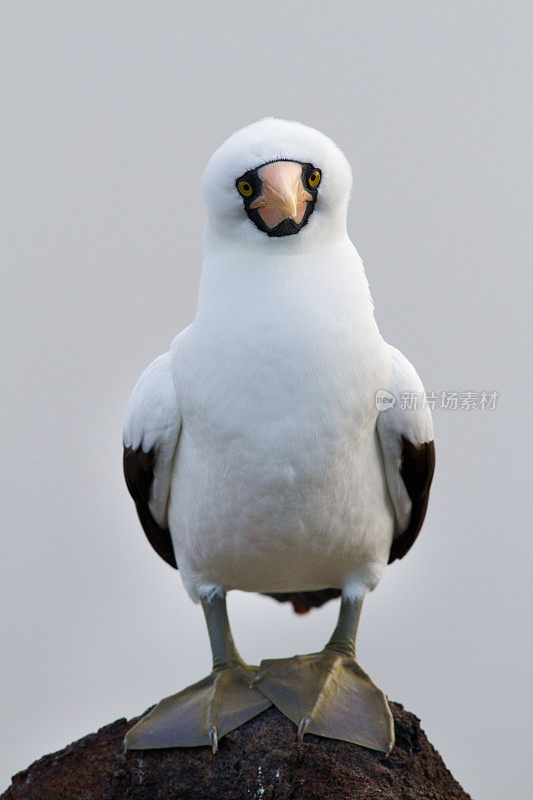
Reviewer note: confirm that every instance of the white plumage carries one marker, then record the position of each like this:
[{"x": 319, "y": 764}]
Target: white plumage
[{"x": 274, "y": 470}]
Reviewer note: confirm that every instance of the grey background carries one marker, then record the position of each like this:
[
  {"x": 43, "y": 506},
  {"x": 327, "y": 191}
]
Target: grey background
[{"x": 112, "y": 112}]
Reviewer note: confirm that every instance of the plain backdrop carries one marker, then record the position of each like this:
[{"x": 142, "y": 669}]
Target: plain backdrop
[{"x": 113, "y": 109}]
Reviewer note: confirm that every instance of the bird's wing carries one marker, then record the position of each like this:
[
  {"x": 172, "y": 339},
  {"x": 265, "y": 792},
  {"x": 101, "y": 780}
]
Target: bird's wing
[
  {"x": 406, "y": 438},
  {"x": 151, "y": 431}
]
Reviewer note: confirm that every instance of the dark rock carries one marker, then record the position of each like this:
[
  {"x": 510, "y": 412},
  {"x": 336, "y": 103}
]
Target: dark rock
[{"x": 260, "y": 761}]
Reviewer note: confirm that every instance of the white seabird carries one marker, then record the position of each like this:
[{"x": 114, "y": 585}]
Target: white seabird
[{"x": 254, "y": 449}]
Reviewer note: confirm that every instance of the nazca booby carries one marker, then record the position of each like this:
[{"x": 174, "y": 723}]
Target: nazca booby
[{"x": 256, "y": 453}]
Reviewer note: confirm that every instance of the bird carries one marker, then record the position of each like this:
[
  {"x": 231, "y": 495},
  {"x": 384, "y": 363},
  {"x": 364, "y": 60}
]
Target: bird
[{"x": 256, "y": 449}]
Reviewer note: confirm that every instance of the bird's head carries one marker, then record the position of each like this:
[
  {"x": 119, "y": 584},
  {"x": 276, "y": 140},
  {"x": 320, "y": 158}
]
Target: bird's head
[{"x": 278, "y": 185}]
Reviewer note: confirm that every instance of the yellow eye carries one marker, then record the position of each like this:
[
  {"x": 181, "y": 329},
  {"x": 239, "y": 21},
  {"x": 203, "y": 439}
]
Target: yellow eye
[
  {"x": 314, "y": 179},
  {"x": 245, "y": 188}
]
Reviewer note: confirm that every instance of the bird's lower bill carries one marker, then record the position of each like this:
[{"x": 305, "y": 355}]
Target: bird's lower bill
[{"x": 286, "y": 227}]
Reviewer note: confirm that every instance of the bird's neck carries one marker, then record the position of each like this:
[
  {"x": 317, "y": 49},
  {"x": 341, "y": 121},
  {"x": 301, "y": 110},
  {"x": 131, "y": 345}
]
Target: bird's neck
[{"x": 236, "y": 281}]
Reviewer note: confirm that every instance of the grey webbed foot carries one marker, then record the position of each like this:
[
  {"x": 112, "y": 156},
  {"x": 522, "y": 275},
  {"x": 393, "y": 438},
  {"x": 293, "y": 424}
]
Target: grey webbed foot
[
  {"x": 201, "y": 714},
  {"x": 328, "y": 694}
]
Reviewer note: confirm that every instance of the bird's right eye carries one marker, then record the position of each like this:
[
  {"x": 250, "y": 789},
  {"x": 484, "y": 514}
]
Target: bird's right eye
[
  {"x": 245, "y": 188},
  {"x": 314, "y": 179}
]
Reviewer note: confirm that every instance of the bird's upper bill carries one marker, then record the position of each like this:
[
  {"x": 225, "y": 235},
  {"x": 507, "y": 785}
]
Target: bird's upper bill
[
  {"x": 284, "y": 196},
  {"x": 279, "y": 196}
]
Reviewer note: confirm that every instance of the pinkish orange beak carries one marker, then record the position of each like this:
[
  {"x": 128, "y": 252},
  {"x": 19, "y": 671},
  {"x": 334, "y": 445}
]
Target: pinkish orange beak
[{"x": 284, "y": 196}]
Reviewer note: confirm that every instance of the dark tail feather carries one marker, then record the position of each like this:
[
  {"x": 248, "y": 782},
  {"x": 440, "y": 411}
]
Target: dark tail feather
[{"x": 303, "y": 601}]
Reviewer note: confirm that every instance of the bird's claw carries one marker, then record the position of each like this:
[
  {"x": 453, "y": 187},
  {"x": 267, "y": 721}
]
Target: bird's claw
[
  {"x": 302, "y": 727},
  {"x": 213, "y": 736}
]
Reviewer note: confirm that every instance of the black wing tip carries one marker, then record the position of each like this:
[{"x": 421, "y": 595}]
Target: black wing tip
[
  {"x": 417, "y": 469},
  {"x": 139, "y": 474}
]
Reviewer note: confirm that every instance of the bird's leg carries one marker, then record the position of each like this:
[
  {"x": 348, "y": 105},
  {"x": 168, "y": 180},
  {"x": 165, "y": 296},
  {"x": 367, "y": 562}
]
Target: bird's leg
[
  {"x": 328, "y": 693},
  {"x": 342, "y": 639},
  {"x": 206, "y": 711},
  {"x": 222, "y": 645}
]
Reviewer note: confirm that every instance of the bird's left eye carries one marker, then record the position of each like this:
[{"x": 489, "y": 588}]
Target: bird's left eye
[
  {"x": 314, "y": 178},
  {"x": 245, "y": 188}
]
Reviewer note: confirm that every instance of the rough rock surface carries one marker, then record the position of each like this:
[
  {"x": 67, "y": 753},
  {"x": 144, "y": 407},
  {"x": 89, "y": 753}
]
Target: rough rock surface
[{"x": 260, "y": 761}]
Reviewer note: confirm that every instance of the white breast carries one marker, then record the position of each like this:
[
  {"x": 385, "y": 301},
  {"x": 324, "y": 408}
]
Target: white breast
[{"x": 278, "y": 481}]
